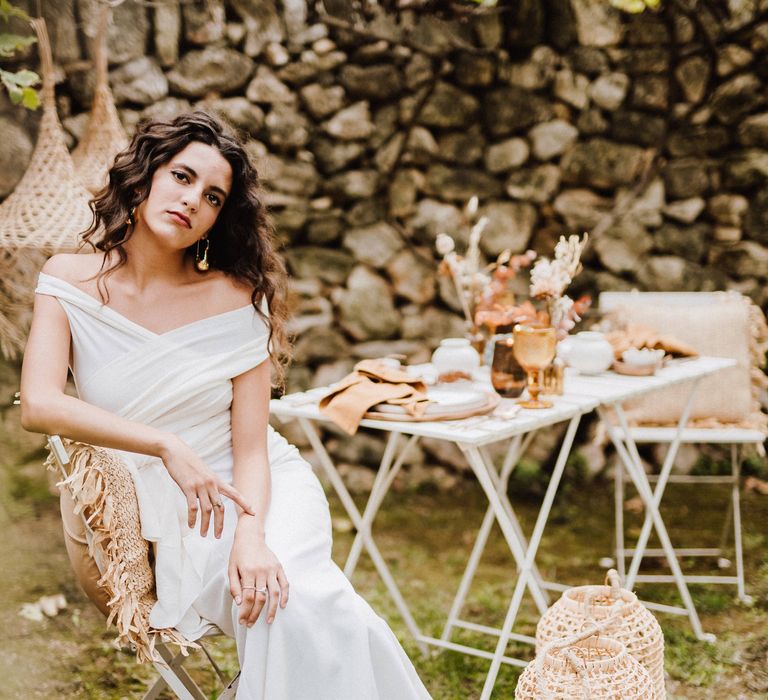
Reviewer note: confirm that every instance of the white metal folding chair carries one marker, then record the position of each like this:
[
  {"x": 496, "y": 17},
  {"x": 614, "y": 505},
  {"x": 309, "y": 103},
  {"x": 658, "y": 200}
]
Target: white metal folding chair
[
  {"x": 173, "y": 675},
  {"x": 735, "y": 437}
]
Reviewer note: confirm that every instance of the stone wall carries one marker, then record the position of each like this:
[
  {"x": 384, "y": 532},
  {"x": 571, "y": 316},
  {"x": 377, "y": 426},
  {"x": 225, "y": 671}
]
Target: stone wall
[{"x": 556, "y": 113}]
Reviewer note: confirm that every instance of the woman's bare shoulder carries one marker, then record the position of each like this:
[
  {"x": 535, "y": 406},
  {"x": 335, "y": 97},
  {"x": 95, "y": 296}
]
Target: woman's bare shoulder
[
  {"x": 74, "y": 268},
  {"x": 230, "y": 291}
]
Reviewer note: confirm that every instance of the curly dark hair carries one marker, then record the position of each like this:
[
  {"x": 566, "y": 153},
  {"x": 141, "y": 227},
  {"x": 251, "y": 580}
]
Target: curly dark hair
[{"x": 242, "y": 242}]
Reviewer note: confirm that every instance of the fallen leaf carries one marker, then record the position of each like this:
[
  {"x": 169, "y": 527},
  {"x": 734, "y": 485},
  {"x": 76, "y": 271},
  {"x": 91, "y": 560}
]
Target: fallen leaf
[
  {"x": 51, "y": 604},
  {"x": 634, "y": 505},
  {"x": 343, "y": 525},
  {"x": 752, "y": 483},
  {"x": 32, "y": 612},
  {"x": 47, "y": 605}
]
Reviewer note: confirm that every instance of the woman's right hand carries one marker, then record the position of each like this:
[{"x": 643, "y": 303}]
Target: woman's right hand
[{"x": 201, "y": 487}]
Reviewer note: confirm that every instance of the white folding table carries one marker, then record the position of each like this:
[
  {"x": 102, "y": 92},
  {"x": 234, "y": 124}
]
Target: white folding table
[{"x": 473, "y": 435}]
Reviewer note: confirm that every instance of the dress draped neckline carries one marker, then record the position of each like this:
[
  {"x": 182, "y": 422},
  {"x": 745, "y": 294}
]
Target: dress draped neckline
[{"x": 116, "y": 315}]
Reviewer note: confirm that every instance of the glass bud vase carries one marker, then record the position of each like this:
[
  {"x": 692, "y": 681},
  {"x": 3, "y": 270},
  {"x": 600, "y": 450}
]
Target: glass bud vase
[
  {"x": 507, "y": 375},
  {"x": 552, "y": 378},
  {"x": 477, "y": 340}
]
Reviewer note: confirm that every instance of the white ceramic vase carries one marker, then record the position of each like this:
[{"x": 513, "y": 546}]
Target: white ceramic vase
[
  {"x": 588, "y": 351},
  {"x": 455, "y": 355}
]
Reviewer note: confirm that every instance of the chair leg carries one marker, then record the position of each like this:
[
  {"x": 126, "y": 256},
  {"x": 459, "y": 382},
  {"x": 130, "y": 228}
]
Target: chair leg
[
  {"x": 230, "y": 691},
  {"x": 213, "y": 663},
  {"x": 618, "y": 504},
  {"x": 725, "y": 535},
  {"x": 155, "y": 689},
  {"x": 176, "y": 676},
  {"x": 736, "y": 505}
]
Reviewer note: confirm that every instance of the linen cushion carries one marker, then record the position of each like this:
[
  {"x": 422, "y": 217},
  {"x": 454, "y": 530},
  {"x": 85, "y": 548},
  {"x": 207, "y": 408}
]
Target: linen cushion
[
  {"x": 83, "y": 564},
  {"x": 722, "y": 329}
]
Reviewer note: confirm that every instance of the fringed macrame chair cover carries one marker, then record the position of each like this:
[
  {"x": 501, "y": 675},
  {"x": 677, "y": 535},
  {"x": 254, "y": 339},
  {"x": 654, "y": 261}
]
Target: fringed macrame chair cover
[
  {"x": 43, "y": 215},
  {"x": 104, "y": 493},
  {"x": 104, "y": 136}
]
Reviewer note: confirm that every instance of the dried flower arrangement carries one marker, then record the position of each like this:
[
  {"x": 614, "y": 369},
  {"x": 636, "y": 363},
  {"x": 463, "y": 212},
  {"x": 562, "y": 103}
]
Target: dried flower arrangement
[
  {"x": 483, "y": 291},
  {"x": 550, "y": 279}
]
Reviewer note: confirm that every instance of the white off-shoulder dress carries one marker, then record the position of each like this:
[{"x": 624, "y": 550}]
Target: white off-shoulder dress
[{"x": 327, "y": 644}]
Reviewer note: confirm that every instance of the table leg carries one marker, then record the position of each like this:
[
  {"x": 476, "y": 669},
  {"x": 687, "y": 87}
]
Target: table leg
[
  {"x": 501, "y": 510},
  {"x": 370, "y": 545},
  {"x": 525, "y": 575},
  {"x": 631, "y": 461},
  {"x": 384, "y": 477},
  {"x": 510, "y": 461},
  {"x": 666, "y": 470},
  {"x": 618, "y": 523},
  {"x": 516, "y": 449}
]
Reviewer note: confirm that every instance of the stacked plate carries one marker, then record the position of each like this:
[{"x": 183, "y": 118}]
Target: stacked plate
[{"x": 446, "y": 402}]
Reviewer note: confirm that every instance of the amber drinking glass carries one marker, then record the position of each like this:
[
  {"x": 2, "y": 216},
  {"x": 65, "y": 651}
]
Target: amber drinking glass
[
  {"x": 534, "y": 348},
  {"x": 507, "y": 375}
]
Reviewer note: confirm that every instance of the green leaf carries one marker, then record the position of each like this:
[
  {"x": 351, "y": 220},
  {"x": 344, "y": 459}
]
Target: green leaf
[
  {"x": 25, "y": 78},
  {"x": 14, "y": 92},
  {"x": 18, "y": 90},
  {"x": 11, "y": 43},
  {"x": 31, "y": 99},
  {"x": 7, "y": 11}
]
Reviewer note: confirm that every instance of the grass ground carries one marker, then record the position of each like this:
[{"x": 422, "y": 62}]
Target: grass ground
[{"x": 425, "y": 537}]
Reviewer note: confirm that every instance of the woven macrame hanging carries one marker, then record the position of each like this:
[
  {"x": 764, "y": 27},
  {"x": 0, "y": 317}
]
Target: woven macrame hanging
[
  {"x": 104, "y": 136},
  {"x": 43, "y": 215},
  {"x": 587, "y": 666},
  {"x": 619, "y": 615}
]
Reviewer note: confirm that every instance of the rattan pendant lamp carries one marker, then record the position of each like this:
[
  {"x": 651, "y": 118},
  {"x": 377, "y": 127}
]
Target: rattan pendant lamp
[
  {"x": 104, "y": 136},
  {"x": 43, "y": 215}
]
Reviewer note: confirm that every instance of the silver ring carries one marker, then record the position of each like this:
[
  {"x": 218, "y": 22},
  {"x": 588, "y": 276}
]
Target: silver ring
[
  {"x": 218, "y": 504},
  {"x": 263, "y": 590}
]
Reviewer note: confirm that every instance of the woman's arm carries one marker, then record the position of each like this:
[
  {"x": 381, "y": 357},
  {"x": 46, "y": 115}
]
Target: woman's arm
[
  {"x": 252, "y": 564},
  {"x": 46, "y": 408}
]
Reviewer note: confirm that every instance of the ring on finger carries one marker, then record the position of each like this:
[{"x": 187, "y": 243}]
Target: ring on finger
[{"x": 218, "y": 504}]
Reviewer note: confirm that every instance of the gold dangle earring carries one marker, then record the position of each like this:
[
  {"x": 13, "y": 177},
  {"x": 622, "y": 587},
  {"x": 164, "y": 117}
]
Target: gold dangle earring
[
  {"x": 131, "y": 220},
  {"x": 201, "y": 263}
]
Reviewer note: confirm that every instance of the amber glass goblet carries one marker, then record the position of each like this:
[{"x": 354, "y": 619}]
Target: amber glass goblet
[{"x": 534, "y": 348}]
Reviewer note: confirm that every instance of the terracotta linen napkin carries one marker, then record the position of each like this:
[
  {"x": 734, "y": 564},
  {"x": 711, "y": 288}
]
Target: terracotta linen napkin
[
  {"x": 369, "y": 384},
  {"x": 638, "y": 336}
]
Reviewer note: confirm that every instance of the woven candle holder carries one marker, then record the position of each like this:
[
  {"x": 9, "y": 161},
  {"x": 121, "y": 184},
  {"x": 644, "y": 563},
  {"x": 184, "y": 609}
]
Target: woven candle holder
[
  {"x": 44, "y": 214},
  {"x": 589, "y": 666},
  {"x": 104, "y": 137},
  {"x": 619, "y": 615}
]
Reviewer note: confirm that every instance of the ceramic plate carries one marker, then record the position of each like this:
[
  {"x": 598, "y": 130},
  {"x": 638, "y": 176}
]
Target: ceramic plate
[{"x": 446, "y": 399}]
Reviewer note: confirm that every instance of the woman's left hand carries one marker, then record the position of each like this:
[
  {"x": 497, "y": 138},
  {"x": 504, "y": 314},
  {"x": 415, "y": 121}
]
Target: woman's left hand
[{"x": 253, "y": 568}]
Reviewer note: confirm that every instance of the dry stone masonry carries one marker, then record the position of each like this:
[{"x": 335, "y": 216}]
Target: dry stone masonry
[{"x": 370, "y": 133}]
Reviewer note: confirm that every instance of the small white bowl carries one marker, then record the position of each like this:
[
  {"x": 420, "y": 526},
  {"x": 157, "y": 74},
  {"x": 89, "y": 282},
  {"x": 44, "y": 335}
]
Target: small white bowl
[{"x": 642, "y": 357}]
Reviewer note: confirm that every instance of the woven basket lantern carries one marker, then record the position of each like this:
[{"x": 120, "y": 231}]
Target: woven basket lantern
[
  {"x": 43, "y": 215},
  {"x": 619, "y": 615},
  {"x": 104, "y": 136},
  {"x": 589, "y": 666}
]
